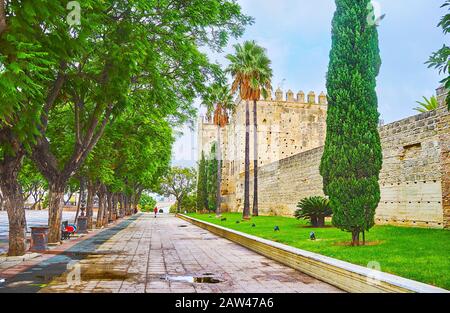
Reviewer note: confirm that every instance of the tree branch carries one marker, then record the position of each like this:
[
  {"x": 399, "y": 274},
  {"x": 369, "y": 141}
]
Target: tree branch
[{"x": 2, "y": 17}]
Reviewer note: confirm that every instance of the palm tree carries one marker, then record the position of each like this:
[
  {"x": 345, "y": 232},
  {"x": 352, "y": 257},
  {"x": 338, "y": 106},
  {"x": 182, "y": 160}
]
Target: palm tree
[
  {"x": 429, "y": 105},
  {"x": 219, "y": 101},
  {"x": 252, "y": 74}
]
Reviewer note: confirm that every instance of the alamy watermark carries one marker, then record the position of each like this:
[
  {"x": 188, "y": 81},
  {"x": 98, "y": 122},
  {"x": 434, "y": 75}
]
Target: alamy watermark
[
  {"x": 74, "y": 16},
  {"x": 374, "y": 275}
]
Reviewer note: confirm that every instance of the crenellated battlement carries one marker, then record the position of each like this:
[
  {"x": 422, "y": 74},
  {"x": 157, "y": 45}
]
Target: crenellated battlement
[
  {"x": 289, "y": 96},
  {"x": 279, "y": 97}
]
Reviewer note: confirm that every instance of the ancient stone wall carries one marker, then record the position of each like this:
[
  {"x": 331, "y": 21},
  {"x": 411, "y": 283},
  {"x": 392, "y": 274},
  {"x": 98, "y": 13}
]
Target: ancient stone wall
[
  {"x": 287, "y": 125},
  {"x": 414, "y": 181}
]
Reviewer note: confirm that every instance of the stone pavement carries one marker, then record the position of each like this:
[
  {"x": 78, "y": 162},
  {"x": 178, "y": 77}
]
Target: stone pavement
[{"x": 164, "y": 254}]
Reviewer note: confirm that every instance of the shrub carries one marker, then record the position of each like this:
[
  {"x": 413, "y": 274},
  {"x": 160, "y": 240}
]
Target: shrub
[{"x": 315, "y": 209}]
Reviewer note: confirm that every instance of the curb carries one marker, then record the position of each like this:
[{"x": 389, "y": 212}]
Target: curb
[{"x": 341, "y": 274}]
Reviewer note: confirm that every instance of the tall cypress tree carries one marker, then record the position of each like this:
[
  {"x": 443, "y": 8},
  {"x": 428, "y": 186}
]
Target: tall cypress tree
[
  {"x": 212, "y": 166},
  {"x": 202, "y": 183},
  {"x": 352, "y": 157}
]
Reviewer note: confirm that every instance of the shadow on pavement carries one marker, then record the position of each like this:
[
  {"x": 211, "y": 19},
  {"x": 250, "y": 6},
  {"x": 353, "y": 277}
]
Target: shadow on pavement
[{"x": 39, "y": 275}]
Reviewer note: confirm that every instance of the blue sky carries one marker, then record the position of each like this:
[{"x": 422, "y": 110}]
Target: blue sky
[{"x": 297, "y": 36}]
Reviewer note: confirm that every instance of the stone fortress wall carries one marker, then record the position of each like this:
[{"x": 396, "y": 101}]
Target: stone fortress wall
[{"x": 414, "y": 181}]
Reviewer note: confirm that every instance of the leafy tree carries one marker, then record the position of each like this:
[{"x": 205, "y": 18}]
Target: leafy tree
[
  {"x": 202, "y": 184},
  {"x": 212, "y": 178},
  {"x": 147, "y": 203},
  {"x": 441, "y": 59},
  {"x": 352, "y": 156},
  {"x": 28, "y": 53},
  {"x": 427, "y": 105},
  {"x": 147, "y": 49},
  {"x": 33, "y": 183},
  {"x": 178, "y": 182},
  {"x": 252, "y": 74},
  {"x": 315, "y": 209},
  {"x": 188, "y": 205}
]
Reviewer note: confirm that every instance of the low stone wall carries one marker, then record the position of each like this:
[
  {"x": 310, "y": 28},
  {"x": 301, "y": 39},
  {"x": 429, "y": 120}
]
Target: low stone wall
[
  {"x": 344, "y": 275},
  {"x": 414, "y": 180}
]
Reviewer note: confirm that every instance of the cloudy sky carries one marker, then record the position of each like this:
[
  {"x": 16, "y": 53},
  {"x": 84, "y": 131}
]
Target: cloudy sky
[{"x": 297, "y": 36}]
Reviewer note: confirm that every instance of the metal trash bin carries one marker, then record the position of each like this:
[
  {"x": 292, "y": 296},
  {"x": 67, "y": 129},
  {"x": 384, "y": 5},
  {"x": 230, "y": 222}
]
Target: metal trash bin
[
  {"x": 82, "y": 225},
  {"x": 39, "y": 238}
]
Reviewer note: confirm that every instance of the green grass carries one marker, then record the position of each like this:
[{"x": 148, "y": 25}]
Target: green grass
[{"x": 414, "y": 253}]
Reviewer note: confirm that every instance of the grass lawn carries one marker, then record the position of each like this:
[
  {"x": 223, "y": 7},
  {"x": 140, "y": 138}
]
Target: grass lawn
[{"x": 415, "y": 253}]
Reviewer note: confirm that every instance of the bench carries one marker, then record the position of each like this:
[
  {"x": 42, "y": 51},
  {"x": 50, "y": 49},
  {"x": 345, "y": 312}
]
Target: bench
[{"x": 67, "y": 230}]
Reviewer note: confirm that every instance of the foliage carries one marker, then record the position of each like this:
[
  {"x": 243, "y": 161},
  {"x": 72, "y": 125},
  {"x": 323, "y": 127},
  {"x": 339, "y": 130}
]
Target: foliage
[
  {"x": 427, "y": 105},
  {"x": 212, "y": 168},
  {"x": 32, "y": 182},
  {"x": 352, "y": 156},
  {"x": 441, "y": 59},
  {"x": 178, "y": 182},
  {"x": 188, "y": 204},
  {"x": 315, "y": 209},
  {"x": 202, "y": 184},
  {"x": 147, "y": 203},
  {"x": 251, "y": 71},
  {"x": 252, "y": 74},
  {"x": 406, "y": 251},
  {"x": 63, "y": 86}
]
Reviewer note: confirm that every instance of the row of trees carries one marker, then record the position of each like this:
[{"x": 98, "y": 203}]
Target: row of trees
[
  {"x": 352, "y": 157},
  {"x": 98, "y": 100},
  {"x": 252, "y": 73}
]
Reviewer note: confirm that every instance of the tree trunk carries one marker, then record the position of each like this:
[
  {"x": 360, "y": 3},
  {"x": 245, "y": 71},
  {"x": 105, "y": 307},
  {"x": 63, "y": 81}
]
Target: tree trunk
[
  {"x": 320, "y": 221},
  {"x": 355, "y": 238},
  {"x": 246, "y": 212},
  {"x": 314, "y": 221},
  {"x": 55, "y": 208},
  {"x": 110, "y": 207},
  {"x": 2, "y": 207},
  {"x": 364, "y": 238},
  {"x": 11, "y": 190},
  {"x": 114, "y": 204},
  {"x": 219, "y": 174},
  {"x": 105, "y": 206},
  {"x": 90, "y": 205},
  {"x": 125, "y": 203},
  {"x": 121, "y": 206},
  {"x": 101, "y": 207},
  {"x": 179, "y": 205},
  {"x": 82, "y": 182},
  {"x": 14, "y": 203},
  {"x": 255, "y": 161}
]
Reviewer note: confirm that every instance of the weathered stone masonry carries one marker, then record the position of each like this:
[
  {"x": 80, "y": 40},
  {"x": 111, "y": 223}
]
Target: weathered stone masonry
[{"x": 414, "y": 181}]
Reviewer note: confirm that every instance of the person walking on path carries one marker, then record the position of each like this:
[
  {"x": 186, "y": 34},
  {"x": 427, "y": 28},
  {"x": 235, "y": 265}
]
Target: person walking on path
[{"x": 155, "y": 210}]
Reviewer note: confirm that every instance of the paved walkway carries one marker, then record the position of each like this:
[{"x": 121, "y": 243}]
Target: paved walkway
[{"x": 166, "y": 254}]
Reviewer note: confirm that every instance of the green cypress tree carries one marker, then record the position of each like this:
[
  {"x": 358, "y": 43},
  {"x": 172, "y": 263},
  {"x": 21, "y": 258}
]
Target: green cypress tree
[
  {"x": 212, "y": 166},
  {"x": 202, "y": 193},
  {"x": 352, "y": 157}
]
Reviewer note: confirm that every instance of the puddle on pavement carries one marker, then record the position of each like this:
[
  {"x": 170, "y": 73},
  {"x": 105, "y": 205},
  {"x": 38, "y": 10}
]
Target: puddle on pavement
[
  {"x": 207, "y": 279},
  {"x": 106, "y": 275},
  {"x": 89, "y": 254}
]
